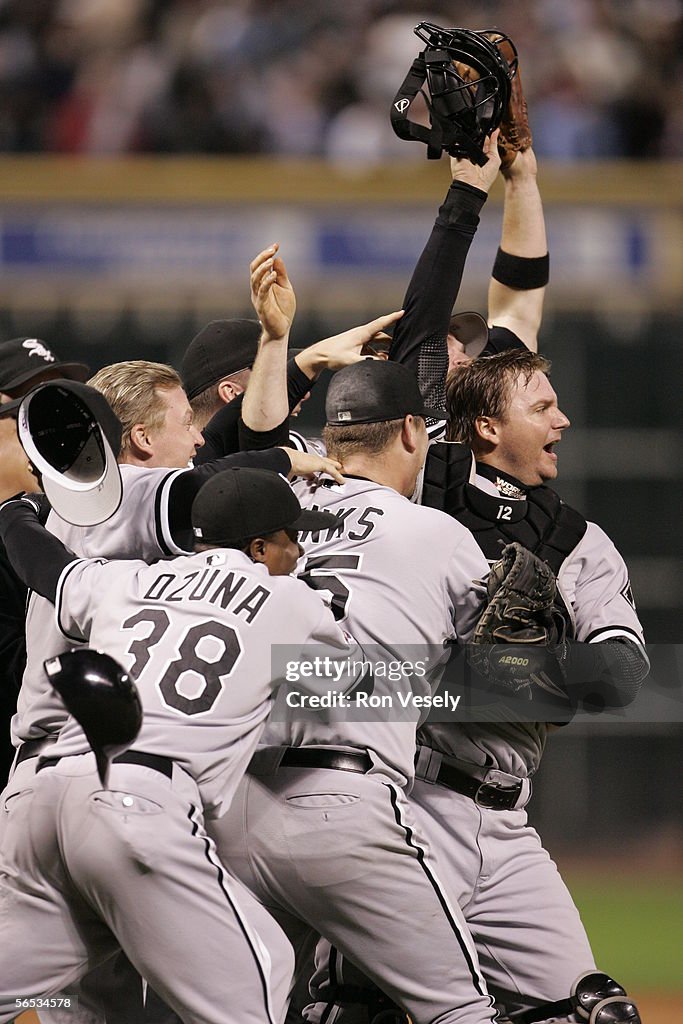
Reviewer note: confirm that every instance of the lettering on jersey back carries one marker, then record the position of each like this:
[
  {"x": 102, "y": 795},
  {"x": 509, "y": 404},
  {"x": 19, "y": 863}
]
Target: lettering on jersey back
[
  {"x": 215, "y": 587},
  {"x": 356, "y": 523}
]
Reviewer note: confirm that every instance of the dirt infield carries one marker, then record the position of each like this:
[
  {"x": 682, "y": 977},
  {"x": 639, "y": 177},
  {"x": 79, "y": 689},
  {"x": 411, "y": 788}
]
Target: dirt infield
[{"x": 654, "y": 1009}]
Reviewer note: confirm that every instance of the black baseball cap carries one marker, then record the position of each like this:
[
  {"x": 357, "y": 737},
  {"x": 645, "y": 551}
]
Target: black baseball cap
[
  {"x": 221, "y": 348},
  {"x": 22, "y": 359},
  {"x": 374, "y": 390},
  {"x": 238, "y": 504},
  {"x": 73, "y": 438}
]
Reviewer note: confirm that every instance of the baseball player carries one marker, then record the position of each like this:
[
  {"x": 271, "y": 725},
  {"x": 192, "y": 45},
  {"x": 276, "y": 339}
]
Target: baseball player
[
  {"x": 15, "y": 476},
  {"x": 474, "y": 780},
  {"x": 157, "y": 443},
  {"x": 329, "y": 846},
  {"x": 546, "y": 970},
  {"x": 191, "y": 632},
  {"x": 537, "y": 957},
  {"x": 216, "y": 369},
  {"x": 153, "y": 521},
  {"x": 24, "y": 362}
]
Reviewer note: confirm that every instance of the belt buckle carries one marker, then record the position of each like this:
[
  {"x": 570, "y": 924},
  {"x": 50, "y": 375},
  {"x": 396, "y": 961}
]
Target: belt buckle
[{"x": 495, "y": 797}]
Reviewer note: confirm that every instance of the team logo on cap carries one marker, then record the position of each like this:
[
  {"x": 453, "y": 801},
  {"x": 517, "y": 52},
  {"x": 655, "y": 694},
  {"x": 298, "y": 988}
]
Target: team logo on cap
[
  {"x": 36, "y": 348},
  {"x": 402, "y": 105}
]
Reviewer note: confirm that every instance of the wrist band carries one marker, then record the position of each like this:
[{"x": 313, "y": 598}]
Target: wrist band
[{"x": 522, "y": 272}]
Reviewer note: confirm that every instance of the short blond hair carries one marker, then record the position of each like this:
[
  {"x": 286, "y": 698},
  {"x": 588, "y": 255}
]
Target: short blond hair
[{"x": 132, "y": 389}]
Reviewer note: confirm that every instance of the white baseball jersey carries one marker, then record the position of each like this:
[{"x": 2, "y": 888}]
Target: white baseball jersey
[
  {"x": 389, "y": 589},
  {"x": 196, "y": 634},
  {"x": 139, "y": 529}
]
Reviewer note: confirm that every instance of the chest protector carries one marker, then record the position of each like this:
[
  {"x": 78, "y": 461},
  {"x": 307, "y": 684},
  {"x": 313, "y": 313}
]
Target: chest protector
[{"x": 541, "y": 522}]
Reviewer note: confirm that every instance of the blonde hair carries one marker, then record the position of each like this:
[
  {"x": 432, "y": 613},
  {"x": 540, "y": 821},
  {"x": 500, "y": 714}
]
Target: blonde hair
[{"x": 132, "y": 390}]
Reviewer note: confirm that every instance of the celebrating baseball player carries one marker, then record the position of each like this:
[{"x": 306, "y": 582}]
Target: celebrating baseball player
[
  {"x": 532, "y": 944},
  {"x": 154, "y": 446},
  {"x": 24, "y": 362},
  {"x": 335, "y": 794},
  {"x": 474, "y": 780},
  {"x": 156, "y": 443},
  {"x": 83, "y": 868},
  {"x": 215, "y": 371}
]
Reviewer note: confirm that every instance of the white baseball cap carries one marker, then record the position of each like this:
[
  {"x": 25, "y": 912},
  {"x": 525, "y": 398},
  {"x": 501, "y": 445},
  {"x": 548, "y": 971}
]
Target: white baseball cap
[{"x": 72, "y": 437}]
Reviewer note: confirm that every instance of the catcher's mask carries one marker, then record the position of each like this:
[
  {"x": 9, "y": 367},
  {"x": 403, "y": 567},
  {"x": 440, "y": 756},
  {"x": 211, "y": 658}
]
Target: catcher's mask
[
  {"x": 102, "y": 697},
  {"x": 468, "y": 83}
]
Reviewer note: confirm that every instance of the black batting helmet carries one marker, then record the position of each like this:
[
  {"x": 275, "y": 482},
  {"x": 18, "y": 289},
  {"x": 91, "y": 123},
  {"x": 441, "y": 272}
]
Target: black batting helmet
[
  {"x": 101, "y": 696},
  {"x": 469, "y": 84}
]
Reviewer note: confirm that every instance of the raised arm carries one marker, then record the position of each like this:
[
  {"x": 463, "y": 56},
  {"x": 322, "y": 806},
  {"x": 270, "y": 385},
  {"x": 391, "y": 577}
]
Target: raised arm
[
  {"x": 520, "y": 272},
  {"x": 420, "y": 337},
  {"x": 265, "y": 403}
]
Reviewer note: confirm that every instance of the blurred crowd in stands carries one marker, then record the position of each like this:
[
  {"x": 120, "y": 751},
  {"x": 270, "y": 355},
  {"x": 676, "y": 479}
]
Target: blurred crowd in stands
[{"x": 604, "y": 78}]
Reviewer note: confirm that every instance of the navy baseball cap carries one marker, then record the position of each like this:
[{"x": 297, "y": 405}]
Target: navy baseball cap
[
  {"x": 23, "y": 359},
  {"x": 371, "y": 391},
  {"x": 238, "y": 504},
  {"x": 73, "y": 437},
  {"x": 220, "y": 349}
]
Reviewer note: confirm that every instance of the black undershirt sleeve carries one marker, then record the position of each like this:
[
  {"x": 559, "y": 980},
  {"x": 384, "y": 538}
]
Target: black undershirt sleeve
[
  {"x": 221, "y": 433},
  {"x": 185, "y": 486},
  {"x": 12, "y": 623},
  {"x": 37, "y": 556},
  {"x": 420, "y": 335}
]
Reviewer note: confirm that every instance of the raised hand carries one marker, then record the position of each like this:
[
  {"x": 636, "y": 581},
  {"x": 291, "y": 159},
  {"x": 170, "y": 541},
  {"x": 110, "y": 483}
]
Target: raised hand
[
  {"x": 368, "y": 341},
  {"x": 272, "y": 295},
  {"x": 463, "y": 169}
]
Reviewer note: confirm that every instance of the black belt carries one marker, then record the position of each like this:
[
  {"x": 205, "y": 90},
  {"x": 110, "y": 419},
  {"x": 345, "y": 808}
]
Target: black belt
[
  {"x": 164, "y": 765},
  {"x": 486, "y": 794},
  {"x": 31, "y": 748},
  {"x": 316, "y": 757}
]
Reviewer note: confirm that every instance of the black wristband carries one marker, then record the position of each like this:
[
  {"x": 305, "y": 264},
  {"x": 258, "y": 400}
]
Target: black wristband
[{"x": 521, "y": 272}]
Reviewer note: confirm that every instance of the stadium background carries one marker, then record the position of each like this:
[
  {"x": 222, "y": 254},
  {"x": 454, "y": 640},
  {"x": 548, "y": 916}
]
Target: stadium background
[{"x": 149, "y": 149}]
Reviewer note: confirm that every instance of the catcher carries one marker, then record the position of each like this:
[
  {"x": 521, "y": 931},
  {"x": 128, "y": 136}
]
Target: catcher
[{"x": 473, "y": 781}]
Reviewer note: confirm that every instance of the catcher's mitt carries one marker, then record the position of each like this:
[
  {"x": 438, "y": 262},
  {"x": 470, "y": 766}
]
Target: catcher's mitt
[
  {"x": 526, "y": 633},
  {"x": 515, "y": 133}
]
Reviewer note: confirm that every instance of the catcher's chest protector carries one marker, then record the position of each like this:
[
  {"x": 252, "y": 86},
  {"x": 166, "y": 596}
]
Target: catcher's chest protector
[{"x": 542, "y": 523}]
